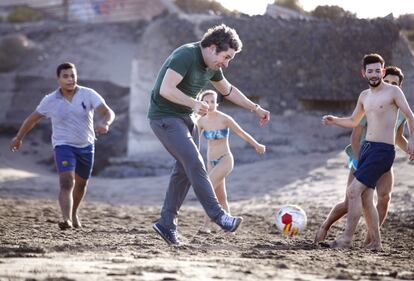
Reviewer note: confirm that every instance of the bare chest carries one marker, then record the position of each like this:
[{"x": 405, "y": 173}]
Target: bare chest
[{"x": 379, "y": 103}]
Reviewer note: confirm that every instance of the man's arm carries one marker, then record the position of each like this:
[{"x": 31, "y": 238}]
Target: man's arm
[
  {"x": 347, "y": 122},
  {"x": 234, "y": 95},
  {"x": 28, "y": 124},
  {"x": 108, "y": 116},
  {"x": 402, "y": 103},
  {"x": 169, "y": 91},
  {"x": 355, "y": 137}
]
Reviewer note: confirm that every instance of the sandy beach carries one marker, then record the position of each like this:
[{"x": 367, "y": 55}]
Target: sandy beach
[{"x": 118, "y": 243}]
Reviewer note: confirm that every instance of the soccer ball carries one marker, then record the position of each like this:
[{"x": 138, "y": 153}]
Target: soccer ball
[{"x": 291, "y": 220}]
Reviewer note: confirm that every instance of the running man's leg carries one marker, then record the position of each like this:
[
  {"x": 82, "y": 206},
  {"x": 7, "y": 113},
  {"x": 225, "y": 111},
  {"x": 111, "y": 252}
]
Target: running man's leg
[
  {"x": 67, "y": 182},
  {"x": 371, "y": 219},
  {"x": 177, "y": 191},
  {"x": 83, "y": 171},
  {"x": 65, "y": 161},
  {"x": 337, "y": 212},
  {"x": 384, "y": 188},
  {"x": 78, "y": 194},
  {"x": 354, "y": 194}
]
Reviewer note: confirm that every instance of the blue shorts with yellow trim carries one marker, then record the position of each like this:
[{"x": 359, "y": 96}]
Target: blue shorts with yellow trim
[{"x": 79, "y": 160}]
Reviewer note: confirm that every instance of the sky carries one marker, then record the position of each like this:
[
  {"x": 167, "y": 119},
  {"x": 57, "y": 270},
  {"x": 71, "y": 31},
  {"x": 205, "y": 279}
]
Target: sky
[{"x": 362, "y": 8}]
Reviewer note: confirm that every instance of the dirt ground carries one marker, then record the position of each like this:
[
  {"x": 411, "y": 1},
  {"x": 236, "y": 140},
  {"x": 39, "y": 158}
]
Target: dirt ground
[{"x": 118, "y": 243}]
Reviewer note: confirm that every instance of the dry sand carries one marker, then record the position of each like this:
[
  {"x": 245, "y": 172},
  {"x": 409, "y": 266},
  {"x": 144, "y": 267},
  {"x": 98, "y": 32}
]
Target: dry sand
[{"x": 117, "y": 242}]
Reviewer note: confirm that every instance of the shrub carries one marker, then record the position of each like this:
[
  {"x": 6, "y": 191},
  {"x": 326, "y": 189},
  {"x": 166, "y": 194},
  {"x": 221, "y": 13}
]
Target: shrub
[
  {"x": 24, "y": 14},
  {"x": 331, "y": 12},
  {"x": 291, "y": 4}
]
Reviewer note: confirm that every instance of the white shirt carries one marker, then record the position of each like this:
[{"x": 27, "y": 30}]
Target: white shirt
[{"x": 72, "y": 121}]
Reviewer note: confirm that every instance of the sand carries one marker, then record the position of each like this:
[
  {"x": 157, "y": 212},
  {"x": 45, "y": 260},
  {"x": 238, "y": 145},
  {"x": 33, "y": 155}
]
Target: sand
[{"x": 117, "y": 242}]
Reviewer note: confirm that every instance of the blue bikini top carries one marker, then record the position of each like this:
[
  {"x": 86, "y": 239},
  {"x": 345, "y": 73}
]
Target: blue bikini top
[{"x": 216, "y": 134}]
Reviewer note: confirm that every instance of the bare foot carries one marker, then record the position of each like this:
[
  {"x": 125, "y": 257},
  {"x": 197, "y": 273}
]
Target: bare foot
[
  {"x": 374, "y": 246},
  {"x": 320, "y": 235},
  {"x": 76, "y": 222},
  {"x": 367, "y": 241},
  {"x": 67, "y": 224},
  {"x": 340, "y": 244}
]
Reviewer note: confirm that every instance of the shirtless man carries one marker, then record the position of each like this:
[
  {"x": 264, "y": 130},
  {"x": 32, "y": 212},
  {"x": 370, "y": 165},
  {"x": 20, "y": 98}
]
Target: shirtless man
[
  {"x": 380, "y": 104},
  {"x": 393, "y": 75}
]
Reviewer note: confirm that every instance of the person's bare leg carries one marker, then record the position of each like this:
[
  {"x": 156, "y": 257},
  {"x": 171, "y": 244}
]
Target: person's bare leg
[
  {"x": 337, "y": 212},
  {"x": 354, "y": 193},
  {"x": 221, "y": 194},
  {"x": 217, "y": 175},
  {"x": 78, "y": 193},
  {"x": 67, "y": 182},
  {"x": 372, "y": 220},
  {"x": 384, "y": 188}
]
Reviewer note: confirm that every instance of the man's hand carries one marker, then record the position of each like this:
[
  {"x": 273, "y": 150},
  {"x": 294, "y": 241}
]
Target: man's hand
[
  {"x": 328, "y": 120},
  {"x": 264, "y": 116},
  {"x": 102, "y": 129},
  {"x": 260, "y": 148},
  {"x": 200, "y": 107},
  {"x": 15, "y": 144}
]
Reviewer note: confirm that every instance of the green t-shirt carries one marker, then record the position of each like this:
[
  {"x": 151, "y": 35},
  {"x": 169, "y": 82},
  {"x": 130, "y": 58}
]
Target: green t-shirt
[
  {"x": 363, "y": 123},
  {"x": 186, "y": 60}
]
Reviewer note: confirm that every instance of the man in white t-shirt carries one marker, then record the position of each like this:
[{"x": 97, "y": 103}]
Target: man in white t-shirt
[{"x": 71, "y": 108}]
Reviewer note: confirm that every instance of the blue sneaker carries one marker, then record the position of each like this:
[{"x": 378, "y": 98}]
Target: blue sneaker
[
  {"x": 169, "y": 235},
  {"x": 229, "y": 223}
]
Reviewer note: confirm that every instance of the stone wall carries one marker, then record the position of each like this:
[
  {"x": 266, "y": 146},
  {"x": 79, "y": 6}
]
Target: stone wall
[{"x": 286, "y": 61}]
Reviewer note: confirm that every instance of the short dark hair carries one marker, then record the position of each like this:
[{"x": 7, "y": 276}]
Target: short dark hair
[
  {"x": 372, "y": 58},
  {"x": 223, "y": 37},
  {"x": 65, "y": 65},
  {"x": 393, "y": 70}
]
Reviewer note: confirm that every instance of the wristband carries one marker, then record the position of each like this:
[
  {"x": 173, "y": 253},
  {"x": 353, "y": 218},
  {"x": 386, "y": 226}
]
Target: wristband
[{"x": 256, "y": 107}]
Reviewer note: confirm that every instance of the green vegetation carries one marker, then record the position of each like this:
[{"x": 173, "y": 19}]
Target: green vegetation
[
  {"x": 291, "y": 4},
  {"x": 24, "y": 14},
  {"x": 331, "y": 12}
]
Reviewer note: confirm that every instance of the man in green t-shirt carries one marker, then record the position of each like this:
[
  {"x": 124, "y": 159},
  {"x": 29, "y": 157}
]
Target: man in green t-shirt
[
  {"x": 173, "y": 101},
  {"x": 393, "y": 75}
]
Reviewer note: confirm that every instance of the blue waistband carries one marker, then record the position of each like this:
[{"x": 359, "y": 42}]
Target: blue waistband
[{"x": 382, "y": 145}]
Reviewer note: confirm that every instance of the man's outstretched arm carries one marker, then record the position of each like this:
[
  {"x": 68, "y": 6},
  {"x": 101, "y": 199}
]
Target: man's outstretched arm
[
  {"x": 234, "y": 95},
  {"x": 28, "y": 124}
]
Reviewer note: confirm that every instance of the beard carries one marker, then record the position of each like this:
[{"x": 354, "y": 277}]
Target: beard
[{"x": 374, "y": 84}]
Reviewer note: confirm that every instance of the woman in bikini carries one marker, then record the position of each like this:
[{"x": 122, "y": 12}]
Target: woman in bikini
[{"x": 215, "y": 127}]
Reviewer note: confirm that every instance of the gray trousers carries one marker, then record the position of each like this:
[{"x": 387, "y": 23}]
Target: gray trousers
[{"x": 179, "y": 136}]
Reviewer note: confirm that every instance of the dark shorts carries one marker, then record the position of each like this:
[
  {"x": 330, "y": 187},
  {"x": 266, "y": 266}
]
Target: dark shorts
[
  {"x": 80, "y": 160},
  {"x": 375, "y": 159}
]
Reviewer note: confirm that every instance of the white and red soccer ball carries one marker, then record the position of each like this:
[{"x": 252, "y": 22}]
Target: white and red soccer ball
[{"x": 291, "y": 220}]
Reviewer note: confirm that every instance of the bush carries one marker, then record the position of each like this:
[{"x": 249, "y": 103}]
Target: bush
[
  {"x": 406, "y": 21},
  {"x": 24, "y": 14},
  {"x": 291, "y": 4},
  {"x": 201, "y": 6},
  {"x": 331, "y": 12}
]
